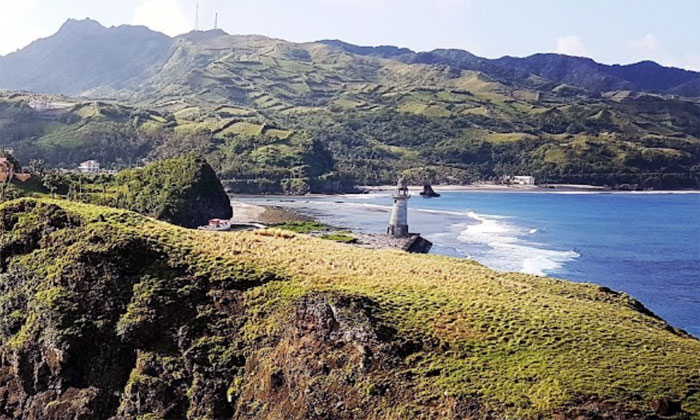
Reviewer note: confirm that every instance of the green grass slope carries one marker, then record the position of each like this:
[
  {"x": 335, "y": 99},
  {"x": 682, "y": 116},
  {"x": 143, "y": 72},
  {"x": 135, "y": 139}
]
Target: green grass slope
[
  {"x": 277, "y": 116},
  {"x": 361, "y": 106},
  {"x": 111, "y": 314},
  {"x": 64, "y": 131}
]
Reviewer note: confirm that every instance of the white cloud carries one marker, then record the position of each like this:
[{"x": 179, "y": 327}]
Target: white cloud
[
  {"x": 650, "y": 47},
  {"x": 571, "y": 45},
  {"x": 647, "y": 44},
  {"x": 163, "y": 15},
  {"x": 691, "y": 62}
]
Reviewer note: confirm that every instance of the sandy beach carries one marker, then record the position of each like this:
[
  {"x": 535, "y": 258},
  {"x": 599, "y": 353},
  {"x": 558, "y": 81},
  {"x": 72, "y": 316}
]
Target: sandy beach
[{"x": 246, "y": 212}]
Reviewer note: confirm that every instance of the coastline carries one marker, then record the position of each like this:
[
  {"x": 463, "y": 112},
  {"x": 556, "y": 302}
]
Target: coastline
[
  {"x": 247, "y": 213},
  {"x": 415, "y": 190},
  {"x": 500, "y": 188},
  {"x": 583, "y": 237},
  {"x": 244, "y": 212}
]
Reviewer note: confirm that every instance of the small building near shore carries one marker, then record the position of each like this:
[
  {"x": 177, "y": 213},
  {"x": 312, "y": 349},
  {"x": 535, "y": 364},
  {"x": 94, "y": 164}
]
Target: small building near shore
[
  {"x": 89, "y": 167},
  {"x": 218, "y": 225},
  {"x": 522, "y": 180}
]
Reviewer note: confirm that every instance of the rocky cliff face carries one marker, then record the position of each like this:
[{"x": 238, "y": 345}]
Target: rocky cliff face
[
  {"x": 105, "y": 314},
  {"x": 106, "y": 324}
]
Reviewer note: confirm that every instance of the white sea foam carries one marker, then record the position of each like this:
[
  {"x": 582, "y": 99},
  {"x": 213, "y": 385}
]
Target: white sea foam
[
  {"x": 451, "y": 213},
  {"x": 375, "y": 206},
  {"x": 506, "y": 250}
]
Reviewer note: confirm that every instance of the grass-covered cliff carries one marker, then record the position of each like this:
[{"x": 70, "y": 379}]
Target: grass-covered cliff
[
  {"x": 184, "y": 190},
  {"x": 105, "y": 313}
]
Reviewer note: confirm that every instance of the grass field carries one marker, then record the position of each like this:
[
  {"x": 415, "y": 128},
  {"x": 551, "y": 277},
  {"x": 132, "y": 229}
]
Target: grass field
[{"x": 526, "y": 346}]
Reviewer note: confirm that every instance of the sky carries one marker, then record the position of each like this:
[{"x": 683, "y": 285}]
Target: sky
[{"x": 609, "y": 31}]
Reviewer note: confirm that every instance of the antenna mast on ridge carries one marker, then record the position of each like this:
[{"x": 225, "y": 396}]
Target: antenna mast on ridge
[
  {"x": 216, "y": 20},
  {"x": 196, "y": 18}
]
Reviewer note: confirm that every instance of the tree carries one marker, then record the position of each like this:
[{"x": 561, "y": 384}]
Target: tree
[
  {"x": 51, "y": 180},
  {"x": 37, "y": 167}
]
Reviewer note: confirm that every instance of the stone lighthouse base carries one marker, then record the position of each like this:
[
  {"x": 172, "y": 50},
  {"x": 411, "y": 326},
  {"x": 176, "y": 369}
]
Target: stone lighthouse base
[
  {"x": 413, "y": 243},
  {"x": 398, "y": 231}
]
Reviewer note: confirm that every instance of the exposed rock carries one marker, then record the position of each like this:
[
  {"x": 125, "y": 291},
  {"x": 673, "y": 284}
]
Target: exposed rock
[
  {"x": 428, "y": 192},
  {"x": 417, "y": 244},
  {"x": 665, "y": 407},
  {"x": 414, "y": 243}
]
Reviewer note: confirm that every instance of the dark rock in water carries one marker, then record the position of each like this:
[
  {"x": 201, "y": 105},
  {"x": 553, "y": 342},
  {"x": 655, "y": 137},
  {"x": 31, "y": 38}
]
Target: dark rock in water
[
  {"x": 418, "y": 245},
  {"x": 428, "y": 192},
  {"x": 665, "y": 407}
]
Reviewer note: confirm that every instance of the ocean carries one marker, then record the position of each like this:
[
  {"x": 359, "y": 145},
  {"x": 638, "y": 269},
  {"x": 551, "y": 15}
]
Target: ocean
[{"x": 644, "y": 244}]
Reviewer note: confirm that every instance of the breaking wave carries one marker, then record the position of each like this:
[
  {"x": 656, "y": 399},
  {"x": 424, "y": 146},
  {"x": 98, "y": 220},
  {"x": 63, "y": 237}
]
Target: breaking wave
[{"x": 504, "y": 248}]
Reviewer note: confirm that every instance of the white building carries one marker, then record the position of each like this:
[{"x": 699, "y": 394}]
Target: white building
[
  {"x": 89, "y": 167},
  {"x": 44, "y": 104},
  {"x": 523, "y": 180}
]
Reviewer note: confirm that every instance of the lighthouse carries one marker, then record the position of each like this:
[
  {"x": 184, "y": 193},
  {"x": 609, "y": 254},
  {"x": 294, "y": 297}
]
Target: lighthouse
[{"x": 398, "y": 225}]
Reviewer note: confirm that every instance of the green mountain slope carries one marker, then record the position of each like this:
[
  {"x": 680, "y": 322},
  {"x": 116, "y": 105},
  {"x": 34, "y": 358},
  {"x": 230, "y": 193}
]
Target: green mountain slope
[
  {"x": 108, "y": 314},
  {"x": 321, "y": 115}
]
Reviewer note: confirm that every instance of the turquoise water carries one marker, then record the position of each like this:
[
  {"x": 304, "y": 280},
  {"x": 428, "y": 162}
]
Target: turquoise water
[{"x": 647, "y": 245}]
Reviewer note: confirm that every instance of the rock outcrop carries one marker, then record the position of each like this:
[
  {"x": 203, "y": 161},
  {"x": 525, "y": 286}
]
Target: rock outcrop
[
  {"x": 429, "y": 192},
  {"x": 184, "y": 191}
]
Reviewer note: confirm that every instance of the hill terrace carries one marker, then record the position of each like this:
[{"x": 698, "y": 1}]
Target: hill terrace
[{"x": 280, "y": 117}]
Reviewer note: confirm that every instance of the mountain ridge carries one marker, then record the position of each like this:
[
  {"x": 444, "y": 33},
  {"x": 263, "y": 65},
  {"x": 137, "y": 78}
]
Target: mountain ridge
[
  {"x": 97, "y": 56},
  {"x": 274, "y": 116},
  {"x": 645, "y": 76}
]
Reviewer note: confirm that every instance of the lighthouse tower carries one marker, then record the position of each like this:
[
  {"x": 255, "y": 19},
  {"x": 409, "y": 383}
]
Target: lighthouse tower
[{"x": 398, "y": 225}]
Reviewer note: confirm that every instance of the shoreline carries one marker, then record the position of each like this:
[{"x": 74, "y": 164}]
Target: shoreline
[
  {"x": 478, "y": 188},
  {"x": 244, "y": 213},
  {"x": 550, "y": 188}
]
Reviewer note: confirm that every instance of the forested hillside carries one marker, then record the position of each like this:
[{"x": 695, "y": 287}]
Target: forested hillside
[{"x": 276, "y": 116}]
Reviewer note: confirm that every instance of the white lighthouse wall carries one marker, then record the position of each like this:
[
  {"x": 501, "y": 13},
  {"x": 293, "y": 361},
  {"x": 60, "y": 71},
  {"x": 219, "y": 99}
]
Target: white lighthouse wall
[{"x": 398, "y": 224}]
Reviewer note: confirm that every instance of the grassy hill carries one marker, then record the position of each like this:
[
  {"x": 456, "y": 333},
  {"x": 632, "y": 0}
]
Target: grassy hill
[
  {"x": 108, "y": 313},
  {"x": 184, "y": 191},
  {"x": 64, "y": 131},
  {"x": 276, "y": 116}
]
